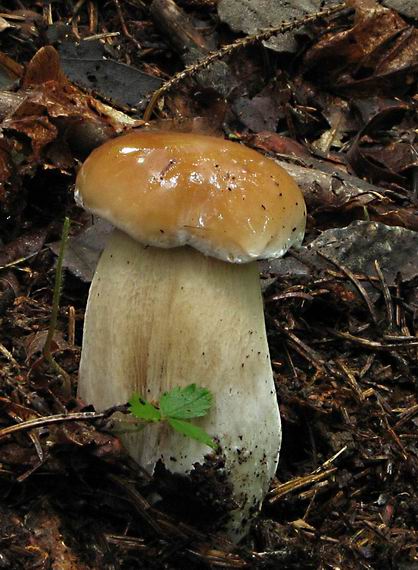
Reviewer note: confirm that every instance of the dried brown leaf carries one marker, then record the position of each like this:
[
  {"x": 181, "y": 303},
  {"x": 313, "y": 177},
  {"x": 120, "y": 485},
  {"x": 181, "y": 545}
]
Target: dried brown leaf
[
  {"x": 43, "y": 67},
  {"x": 51, "y": 108},
  {"x": 277, "y": 144},
  {"x": 24, "y": 246},
  {"x": 388, "y": 160},
  {"x": 376, "y": 55}
]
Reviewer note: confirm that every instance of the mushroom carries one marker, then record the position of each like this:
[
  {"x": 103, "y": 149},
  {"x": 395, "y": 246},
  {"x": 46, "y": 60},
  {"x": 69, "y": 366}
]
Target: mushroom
[{"x": 176, "y": 298}]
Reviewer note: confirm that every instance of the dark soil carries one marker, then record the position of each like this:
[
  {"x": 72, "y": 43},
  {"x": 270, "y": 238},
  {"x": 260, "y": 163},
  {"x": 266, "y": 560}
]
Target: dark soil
[{"x": 339, "y": 112}]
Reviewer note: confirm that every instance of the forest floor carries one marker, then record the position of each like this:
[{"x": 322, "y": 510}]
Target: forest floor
[{"x": 334, "y": 101}]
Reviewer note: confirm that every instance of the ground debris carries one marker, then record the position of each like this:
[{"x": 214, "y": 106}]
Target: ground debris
[
  {"x": 254, "y": 15},
  {"x": 358, "y": 61},
  {"x": 337, "y": 109},
  {"x": 358, "y": 247},
  {"x": 85, "y": 64}
]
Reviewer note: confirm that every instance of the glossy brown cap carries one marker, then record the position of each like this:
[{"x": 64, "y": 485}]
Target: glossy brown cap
[{"x": 170, "y": 189}]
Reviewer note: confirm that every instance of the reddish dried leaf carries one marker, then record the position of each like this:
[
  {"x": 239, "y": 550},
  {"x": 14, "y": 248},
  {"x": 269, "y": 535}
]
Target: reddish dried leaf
[
  {"x": 43, "y": 67},
  {"x": 13, "y": 409},
  {"x": 371, "y": 107},
  {"x": 365, "y": 166},
  {"x": 277, "y": 144},
  {"x": 35, "y": 342},
  {"x": 395, "y": 216},
  {"x": 373, "y": 27},
  {"x": 396, "y": 156},
  {"x": 386, "y": 161},
  {"x": 375, "y": 55},
  {"x": 37, "y": 128},
  {"x": 9, "y": 290},
  {"x": 52, "y": 107}
]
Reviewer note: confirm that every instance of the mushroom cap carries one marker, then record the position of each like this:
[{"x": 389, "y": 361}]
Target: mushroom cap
[{"x": 169, "y": 189}]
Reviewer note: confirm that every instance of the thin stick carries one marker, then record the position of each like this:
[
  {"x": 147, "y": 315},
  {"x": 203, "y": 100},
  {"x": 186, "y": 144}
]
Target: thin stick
[
  {"x": 47, "y": 353},
  {"x": 355, "y": 282},
  {"x": 372, "y": 344},
  {"x": 317, "y": 475},
  {"x": 260, "y": 36},
  {"x": 50, "y": 420},
  {"x": 124, "y": 27},
  {"x": 71, "y": 325},
  {"x": 386, "y": 295},
  {"x": 8, "y": 355},
  {"x": 351, "y": 379}
]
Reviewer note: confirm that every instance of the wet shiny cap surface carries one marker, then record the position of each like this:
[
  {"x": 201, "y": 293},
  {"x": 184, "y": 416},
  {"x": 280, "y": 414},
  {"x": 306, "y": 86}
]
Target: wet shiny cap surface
[{"x": 170, "y": 189}]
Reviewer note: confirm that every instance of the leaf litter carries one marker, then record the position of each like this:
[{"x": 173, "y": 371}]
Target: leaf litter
[{"x": 336, "y": 106}]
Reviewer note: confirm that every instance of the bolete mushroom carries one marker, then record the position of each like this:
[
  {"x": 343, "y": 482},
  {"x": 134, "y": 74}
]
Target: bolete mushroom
[{"x": 176, "y": 296}]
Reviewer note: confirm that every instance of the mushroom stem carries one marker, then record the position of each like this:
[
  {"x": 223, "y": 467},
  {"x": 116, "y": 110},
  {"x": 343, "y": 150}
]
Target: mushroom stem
[{"x": 161, "y": 318}]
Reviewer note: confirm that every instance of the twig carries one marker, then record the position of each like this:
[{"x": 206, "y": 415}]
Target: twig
[
  {"x": 7, "y": 354},
  {"x": 372, "y": 344},
  {"x": 17, "y": 261},
  {"x": 386, "y": 295},
  {"x": 369, "y": 362},
  {"x": 142, "y": 507},
  {"x": 355, "y": 282},
  {"x": 101, "y": 36},
  {"x": 399, "y": 338},
  {"x": 392, "y": 434},
  {"x": 406, "y": 416},
  {"x": 127, "y": 542},
  {"x": 292, "y": 295},
  {"x": 71, "y": 325},
  {"x": 55, "y": 419},
  {"x": 297, "y": 483},
  {"x": 321, "y": 473},
  {"x": 346, "y": 372},
  {"x": 331, "y": 460},
  {"x": 302, "y": 348},
  {"x": 93, "y": 16},
  {"x": 260, "y": 36},
  {"x": 124, "y": 27},
  {"x": 47, "y": 353},
  {"x": 75, "y": 17}
]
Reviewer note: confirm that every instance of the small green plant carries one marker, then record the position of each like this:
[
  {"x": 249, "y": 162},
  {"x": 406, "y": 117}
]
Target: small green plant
[
  {"x": 177, "y": 407},
  {"x": 47, "y": 350}
]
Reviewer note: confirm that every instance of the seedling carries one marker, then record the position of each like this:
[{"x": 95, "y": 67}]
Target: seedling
[
  {"x": 47, "y": 352},
  {"x": 177, "y": 407}
]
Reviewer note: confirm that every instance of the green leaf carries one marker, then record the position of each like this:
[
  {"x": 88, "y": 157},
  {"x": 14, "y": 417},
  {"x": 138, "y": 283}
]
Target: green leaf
[
  {"x": 143, "y": 410},
  {"x": 185, "y": 403},
  {"x": 193, "y": 431}
]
